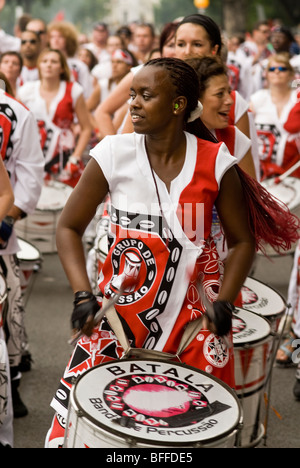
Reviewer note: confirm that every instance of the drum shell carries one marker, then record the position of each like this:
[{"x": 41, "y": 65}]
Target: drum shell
[
  {"x": 30, "y": 260},
  {"x": 83, "y": 431},
  {"x": 3, "y": 297},
  {"x": 39, "y": 228},
  {"x": 252, "y": 365}
]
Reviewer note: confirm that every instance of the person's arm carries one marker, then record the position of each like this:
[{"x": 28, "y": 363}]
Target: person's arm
[
  {"x": 85, "y": 127},
  {"x": 233, "y": 215},
  {"x": 105, "y": 111},
  {"x": 93, "y": 101},
  {"x": 247, "y": 163},
  {"x": 77, "y": 214},
  {"x": 6, "y": 192}
]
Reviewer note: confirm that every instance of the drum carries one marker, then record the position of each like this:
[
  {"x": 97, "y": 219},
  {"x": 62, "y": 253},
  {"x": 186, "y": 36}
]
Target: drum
[
  {"x": 252, "y": 341},
  {"x": 3, "y": 298},
  {"x": 39, "y": 228},
  {"x": 288, "y": 192},
  {"x": 30, "y": 261},
  {"x": 147, "y": 403},
  {"x": 263, "y": 300}
]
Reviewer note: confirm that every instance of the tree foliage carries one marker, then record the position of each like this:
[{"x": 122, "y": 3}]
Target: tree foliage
[{"x": 84, "y": 12}]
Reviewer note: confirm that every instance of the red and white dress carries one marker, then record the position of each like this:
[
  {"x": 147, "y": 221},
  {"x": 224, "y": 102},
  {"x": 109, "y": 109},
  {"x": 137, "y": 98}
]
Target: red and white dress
[
  {"x": 162, "y": 239},
  {"x": 278, "y": 148},
  {"x": 55, "y": 125}
]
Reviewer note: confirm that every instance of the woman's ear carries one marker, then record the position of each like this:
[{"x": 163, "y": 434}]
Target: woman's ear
[{"x": 179, "y": 105}]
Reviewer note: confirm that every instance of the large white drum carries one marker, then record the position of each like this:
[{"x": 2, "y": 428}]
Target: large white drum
[
  {"x": 151, "y": 403},
  {"x": 288, "y": 192},
  {"x": 252, "y": 341},
  {"x": 39, "y": 228},
  {"x": 30, "y": 261},
  {"x": 260, "y": 298}
]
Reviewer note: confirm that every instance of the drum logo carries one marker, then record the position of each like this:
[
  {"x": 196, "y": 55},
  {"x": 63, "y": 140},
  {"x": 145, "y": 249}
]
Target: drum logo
[
  {"x": 133, "y": 263},
  {"x": 248, "y": 296},
  {"x": 238, "y": 324},
  {"x": 155, "y": 400},
  {"x": 216, "y": 351}
]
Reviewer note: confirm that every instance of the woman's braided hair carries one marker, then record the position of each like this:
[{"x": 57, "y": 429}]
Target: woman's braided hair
[{"x": 186, "y": 83}]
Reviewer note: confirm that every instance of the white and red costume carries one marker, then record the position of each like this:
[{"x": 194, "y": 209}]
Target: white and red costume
[
  {"x": 23, "y": 159},
  {"x": 278, "y": 148},
  {"x": 163, "y": 238},
  {"x": 55, "y": 125}
]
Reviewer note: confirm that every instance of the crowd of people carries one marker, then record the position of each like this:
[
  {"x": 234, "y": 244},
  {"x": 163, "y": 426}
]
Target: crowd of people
[{"x": 129, "y": 112}]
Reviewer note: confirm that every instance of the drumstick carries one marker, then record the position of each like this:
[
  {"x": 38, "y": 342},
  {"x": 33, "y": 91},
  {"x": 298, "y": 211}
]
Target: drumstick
[
  {"x": 127, "y": 283},
  {"x": 283, "y": 176}
]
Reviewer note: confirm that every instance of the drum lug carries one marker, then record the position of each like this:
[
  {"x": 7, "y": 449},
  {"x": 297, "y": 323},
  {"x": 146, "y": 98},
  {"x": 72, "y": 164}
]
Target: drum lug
[
  {"x": 80, "y": 413},
  {"x": 131, "y": 442},
  {"x": 198, "y": 445}
]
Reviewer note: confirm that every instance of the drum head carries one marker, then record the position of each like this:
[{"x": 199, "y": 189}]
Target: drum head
[
  {"x": 262, "y": 299},
  {"x": 28, "y": 252},
  {"x": 288, "y": 191},
  {"x": 54, "y": 196},
  {"x": 248, "y": 327},
  {"x": 157, "y": 403}
]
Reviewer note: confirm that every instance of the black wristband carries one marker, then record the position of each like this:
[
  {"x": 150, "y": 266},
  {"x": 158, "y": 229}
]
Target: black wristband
[
  {"x": 227, "y": 304},
  {"x": 83, "y": 311},
  {"x": 82, "y": 295}
]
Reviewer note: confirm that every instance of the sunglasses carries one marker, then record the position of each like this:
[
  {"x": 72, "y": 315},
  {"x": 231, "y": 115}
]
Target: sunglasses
[
  {"x": 281, "y": 69},
  {"x": 30, "y": 41}
]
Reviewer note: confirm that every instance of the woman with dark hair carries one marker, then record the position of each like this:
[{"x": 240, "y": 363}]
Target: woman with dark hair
[
  {"x": 11, "y": 64},
  {"x": 198, "y": 35},
  {"x": 167, "y": 40},
  {"x": 160, "y": 178}
]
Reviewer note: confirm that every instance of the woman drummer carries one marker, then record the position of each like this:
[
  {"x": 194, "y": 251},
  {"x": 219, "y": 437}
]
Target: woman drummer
[{"x": 163, "y": 181}]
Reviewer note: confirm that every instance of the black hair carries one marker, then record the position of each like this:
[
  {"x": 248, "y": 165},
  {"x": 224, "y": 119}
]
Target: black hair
[
  {"x": 210, "y": 27},
  {"x": 206, "y": 67},
  {"x": 13, "y": 53},
  {"x": 186, "y": 83},
  {"x": 167, "y": 32}
]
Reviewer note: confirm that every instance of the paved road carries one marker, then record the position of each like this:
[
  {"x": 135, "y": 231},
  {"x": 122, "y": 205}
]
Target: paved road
[{"x": 48, "y": 311}]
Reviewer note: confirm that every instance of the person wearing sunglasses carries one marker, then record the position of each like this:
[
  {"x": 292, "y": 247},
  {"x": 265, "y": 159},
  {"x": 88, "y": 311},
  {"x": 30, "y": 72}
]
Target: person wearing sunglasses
[
  {"x": 30, "y": 50},
  {"x": 278, "y": 149},
  {"x": 39, "y": 26}
]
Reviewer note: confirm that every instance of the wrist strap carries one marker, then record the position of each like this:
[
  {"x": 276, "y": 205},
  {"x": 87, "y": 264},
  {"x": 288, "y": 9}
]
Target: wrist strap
[{"x": 81, "y": 295}]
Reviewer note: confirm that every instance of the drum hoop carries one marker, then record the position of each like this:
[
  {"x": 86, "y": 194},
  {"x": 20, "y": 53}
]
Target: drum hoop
[
  {"x": 55, "y": 184},
  {"x": 4, "y": 297},
  {"x": 284, "y": 183},
  {"x": 270, "y": 287},
  {"x": 253, "y": 344},
  {"x": 258, "y": 340},
  {"x": 38, "y": 259},
  {"x": 95, "y": 422}
]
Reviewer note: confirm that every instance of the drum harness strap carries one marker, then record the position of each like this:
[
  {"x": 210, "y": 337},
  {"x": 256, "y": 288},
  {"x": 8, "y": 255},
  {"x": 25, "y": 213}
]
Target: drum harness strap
[{"x": 190, "y": 332}]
